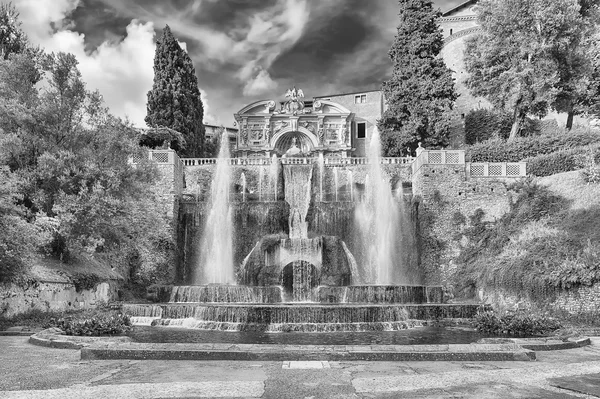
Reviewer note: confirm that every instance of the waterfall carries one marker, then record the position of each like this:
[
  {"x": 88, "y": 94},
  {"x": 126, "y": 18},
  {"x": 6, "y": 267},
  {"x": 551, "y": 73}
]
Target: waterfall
[
  {"x": 321, "y": 173},
  {"x": 260, "y": 182},
  {"x": 354, "y": 273},
  {"x": 351, "y": 184},
  {"x": 297, "y": 195},
  {"x": 216, "y": 247},
  {"x": 274, "y": 175},
  {"x": 243, "y": 184},
  {"x": 378, "y": 218},
  {"x": 335, "y": 182}
]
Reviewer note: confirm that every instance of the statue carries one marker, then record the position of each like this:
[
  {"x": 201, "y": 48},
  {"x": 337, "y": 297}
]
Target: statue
[
  {"x": 293, "y": 150},
  {"x": 294, "y": 104},
  {"x": 244, "y": 135}
]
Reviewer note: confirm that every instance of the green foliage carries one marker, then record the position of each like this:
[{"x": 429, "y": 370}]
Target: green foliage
[
  {"x": 515, "y": 323},
  {"x": 159, "y": 136},
  {"x": 421, "y": 90},
  {"x": 528, "y": 147},
  {"x": 174, "y": 100},
  {"x": 484, "y": 124},
  {"x": 100, "y": 323},
  {"x": 556, "y": 162},
  {"x": 12, "y": 38},
  {"x": 563, "y": 256},
  {"x": 516, "y": 66},
  {"x": 70, "y": 190},
  {"x": 591, "y": 163}
]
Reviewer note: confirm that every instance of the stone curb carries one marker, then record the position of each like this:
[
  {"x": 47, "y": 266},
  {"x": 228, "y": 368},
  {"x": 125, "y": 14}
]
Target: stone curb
[
  {"x": 55, "y": 338},
  {"x": 542, "y": 344},
  {"x": 148, "y": 351}
]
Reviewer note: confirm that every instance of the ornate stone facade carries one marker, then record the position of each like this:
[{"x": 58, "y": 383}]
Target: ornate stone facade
[{"x": 315, "y": 127}]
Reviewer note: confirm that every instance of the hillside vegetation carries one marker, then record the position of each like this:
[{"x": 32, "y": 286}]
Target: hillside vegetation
[{"x": 549, "y": 240}]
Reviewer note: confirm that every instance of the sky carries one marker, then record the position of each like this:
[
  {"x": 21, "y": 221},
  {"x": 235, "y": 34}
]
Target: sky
[{"x": 243, "y": 50}]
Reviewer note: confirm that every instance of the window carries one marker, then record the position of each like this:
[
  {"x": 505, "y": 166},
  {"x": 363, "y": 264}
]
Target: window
[
  {"x": 450, "y": 32},
  {"x": 360, "y": 99},
  {"x": 361, "y": 130}
]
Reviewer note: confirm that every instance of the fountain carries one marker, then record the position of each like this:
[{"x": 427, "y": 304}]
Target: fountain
[
  {"x": 215, "y": 263},
  {"x": 299, "y": 261}
]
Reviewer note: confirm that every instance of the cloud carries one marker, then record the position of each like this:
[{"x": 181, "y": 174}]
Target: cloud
[
  {"x": 122, "y": 71},
  {"x": 260, "y": 84}
]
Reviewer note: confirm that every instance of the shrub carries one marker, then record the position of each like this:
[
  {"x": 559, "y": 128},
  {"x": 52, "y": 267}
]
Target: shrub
[
  {"x": 556, "y": 162},
  {"x": 515, "y": 323},
  {"x": 484, "y": 124},
  {"x": 110, "y": 323},
  {"x": 496, "y": 150},
  {"x": 591, "y": 170}
]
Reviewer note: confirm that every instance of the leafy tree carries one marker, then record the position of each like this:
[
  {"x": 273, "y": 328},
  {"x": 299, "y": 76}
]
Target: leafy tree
[
  {"x": 510, "y": 62},
  {"x": 421, "y": 90},
  {"x": 174, "y": 100},
  {"x": 576, "y": 57},
  {"x": 70, "y": 189},
  {"x": 12, "y": 38}
]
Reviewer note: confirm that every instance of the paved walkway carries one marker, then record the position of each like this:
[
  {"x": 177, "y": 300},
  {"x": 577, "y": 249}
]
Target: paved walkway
[{"x": 28, "y": 371}]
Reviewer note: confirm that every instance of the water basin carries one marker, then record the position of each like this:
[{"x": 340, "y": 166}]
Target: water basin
[{"x": 415, "y": 336}]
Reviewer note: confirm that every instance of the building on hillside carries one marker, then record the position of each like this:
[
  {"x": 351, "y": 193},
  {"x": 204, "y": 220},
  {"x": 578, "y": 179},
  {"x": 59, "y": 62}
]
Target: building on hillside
[
  {"x": 458, "y": 24},
  {"x": 367, "y": 107},
  {"x": 336, "y": 125},
  {"x": 211, "y": 130}
]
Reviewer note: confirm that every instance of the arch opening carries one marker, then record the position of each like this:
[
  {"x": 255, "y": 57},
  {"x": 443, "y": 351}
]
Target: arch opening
[
  {"x": 303, "y": 142},
  {"x": 298, "y": 279}
]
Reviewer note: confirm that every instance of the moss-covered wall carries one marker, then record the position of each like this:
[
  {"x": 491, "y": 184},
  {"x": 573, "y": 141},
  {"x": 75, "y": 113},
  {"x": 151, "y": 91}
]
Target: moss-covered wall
[{"x": 446, "y": 197}]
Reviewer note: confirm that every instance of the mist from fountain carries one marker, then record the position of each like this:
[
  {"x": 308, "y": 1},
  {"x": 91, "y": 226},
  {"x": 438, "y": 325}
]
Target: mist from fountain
[
  {"x": 215, "y": 265},
  {"x": 378, "y": 217}
]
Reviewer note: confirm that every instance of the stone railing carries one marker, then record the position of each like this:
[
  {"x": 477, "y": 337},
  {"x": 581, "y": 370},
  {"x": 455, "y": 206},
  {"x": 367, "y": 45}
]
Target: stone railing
[
  {"x": 158, "y": 156},
  {"x": 297, "y": 161},
  {"x": 230, "y": 161},
  {"x": 499, "y": 169},
  {"x": 438, "y": 157}
]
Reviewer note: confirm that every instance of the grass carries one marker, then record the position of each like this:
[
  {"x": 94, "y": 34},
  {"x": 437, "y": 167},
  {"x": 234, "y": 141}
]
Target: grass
[{"x": 571, "y": 186}]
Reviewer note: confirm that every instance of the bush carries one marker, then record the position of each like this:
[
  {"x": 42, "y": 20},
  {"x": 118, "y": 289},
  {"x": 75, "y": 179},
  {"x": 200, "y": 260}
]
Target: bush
[
  {"x": 496, "y": 150},
  {"x": 110, "y": 323},
  {"x": 515, "y": 323},
  {"x": 557, "y": 162},
  {"x": 591, "y": 170},
  {"x": 484, "y": 124}
]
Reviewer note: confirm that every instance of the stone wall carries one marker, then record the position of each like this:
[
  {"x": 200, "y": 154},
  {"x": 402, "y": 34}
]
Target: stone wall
[
  {"x": 445, "y": 194},
  {"x": 53, "y": 296},
  {"x": 580, "y": 301}
]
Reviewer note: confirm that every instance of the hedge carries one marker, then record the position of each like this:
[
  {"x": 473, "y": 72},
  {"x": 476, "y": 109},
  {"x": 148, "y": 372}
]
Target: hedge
[{"x": 527, "y": 147}]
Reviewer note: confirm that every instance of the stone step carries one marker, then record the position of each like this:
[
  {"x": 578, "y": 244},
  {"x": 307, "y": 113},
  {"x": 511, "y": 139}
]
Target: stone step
[{"x": 459, "y": 352}]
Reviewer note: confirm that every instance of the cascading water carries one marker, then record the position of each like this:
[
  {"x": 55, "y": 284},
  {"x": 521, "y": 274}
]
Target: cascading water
[
  {"x": 335, "y": 183},
  {"x": 297, "y": 194},
  {"x": 378, "y": 218},
  {"x": 243, "y": 184},
  {"x": 321, "y": 161},
  {"x": 351, "y": 184},
  {"x": 274, "y": 175},
  {"x": 215, "y": 265}
]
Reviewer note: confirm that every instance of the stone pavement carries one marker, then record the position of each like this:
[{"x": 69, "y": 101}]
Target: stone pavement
[{"x": 28, "y": 371}]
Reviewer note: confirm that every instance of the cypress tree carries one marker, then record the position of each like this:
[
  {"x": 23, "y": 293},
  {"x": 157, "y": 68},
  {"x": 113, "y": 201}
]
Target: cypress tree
[
  {"x": 174, "y": 101},
  {"x": 421, "y": 91}
]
